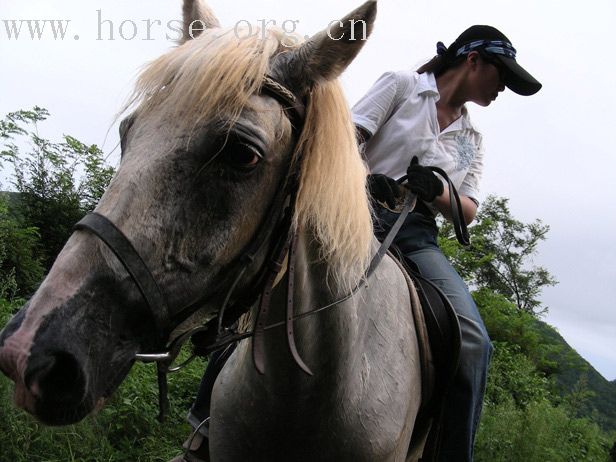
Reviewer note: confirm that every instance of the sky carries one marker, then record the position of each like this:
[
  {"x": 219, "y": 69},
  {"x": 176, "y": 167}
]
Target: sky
[{"x": 549, "y": 153}]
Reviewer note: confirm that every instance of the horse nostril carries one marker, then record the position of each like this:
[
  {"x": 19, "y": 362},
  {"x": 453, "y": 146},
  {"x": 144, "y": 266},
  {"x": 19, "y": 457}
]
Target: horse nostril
[{"x": 55, "y": 377}]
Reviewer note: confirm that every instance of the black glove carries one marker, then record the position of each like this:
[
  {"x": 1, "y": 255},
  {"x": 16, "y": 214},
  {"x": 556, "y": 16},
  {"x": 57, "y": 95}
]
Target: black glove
[
  {"x": 423, "y": 182},
  {"x": 384, "y": 189}
]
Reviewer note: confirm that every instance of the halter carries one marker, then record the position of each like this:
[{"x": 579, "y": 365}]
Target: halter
[{"x": 282, "y": 239}]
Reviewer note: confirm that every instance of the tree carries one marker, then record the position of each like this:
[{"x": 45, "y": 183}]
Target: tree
[
  {"x": 11, "y": 125},
  {"x": 21, "y": 268},
  {"x": 57, "y": 183},
  {"x": 500, "y": 255}
]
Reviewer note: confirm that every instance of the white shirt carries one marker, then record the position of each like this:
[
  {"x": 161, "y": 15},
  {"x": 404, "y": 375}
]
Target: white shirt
[{"x": 399, "y": 112}]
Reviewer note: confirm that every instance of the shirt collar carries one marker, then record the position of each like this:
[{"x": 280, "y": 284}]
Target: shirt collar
[
  {"x": 426, "y": 86},
  {"x": 463, "y": 123}
]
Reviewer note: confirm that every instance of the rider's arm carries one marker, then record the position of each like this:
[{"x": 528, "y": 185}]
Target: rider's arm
[{"x": 469, "y": 206}]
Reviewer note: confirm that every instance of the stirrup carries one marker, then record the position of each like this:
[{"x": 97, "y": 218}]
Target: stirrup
[{"x": 195, "y": 442}]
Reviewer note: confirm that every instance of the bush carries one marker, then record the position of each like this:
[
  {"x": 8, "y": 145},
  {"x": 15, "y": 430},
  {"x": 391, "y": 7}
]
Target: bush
[
  {"x": 57, "y": 182},
  {"x": 513, "y": 378},
  {"x": 21, "y": 269},
  {"x": 126, "y": 430},
  {"x": 538, "y": 433}
]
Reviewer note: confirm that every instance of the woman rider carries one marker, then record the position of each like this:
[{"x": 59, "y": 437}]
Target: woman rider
[{"x": 422, "y": 114}]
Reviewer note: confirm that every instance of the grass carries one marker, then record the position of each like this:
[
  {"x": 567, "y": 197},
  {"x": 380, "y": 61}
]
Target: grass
[{"x": 125, "y": 430}]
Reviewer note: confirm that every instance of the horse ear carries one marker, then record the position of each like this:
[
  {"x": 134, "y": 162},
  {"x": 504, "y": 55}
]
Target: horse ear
[
  {"x": 198, "y": 17},
  {"x": 326, "y": 55}
]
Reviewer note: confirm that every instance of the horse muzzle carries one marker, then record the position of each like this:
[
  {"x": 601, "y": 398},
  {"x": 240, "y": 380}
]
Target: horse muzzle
[
  {"x": 56, "y": 379},
  {"x": 50, "y": 382}
]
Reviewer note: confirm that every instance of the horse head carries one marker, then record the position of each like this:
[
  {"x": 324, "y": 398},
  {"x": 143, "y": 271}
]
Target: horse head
[{"x": 207, "y": 146}]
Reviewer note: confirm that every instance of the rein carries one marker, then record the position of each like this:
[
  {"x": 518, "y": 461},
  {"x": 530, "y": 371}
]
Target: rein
[
  {"x": 282, "y": 241},
  {"x": 229, "y": 337}
]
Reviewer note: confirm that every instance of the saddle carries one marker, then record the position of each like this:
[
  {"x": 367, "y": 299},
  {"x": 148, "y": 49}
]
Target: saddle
[{"x": 438, "y": 336}]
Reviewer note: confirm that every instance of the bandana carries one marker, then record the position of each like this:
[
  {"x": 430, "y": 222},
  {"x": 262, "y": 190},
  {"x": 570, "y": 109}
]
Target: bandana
[{"x": 498, "y": 47}]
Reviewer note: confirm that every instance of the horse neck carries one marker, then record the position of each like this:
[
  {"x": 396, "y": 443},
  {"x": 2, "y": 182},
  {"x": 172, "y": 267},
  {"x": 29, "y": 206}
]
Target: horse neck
[{"x": 320, "y": 337}]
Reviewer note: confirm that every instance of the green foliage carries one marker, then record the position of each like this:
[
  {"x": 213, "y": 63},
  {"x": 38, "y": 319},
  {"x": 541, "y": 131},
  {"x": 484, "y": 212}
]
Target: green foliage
[
  {"x": 513, "y": 378},
  {"x": 538, "y": 432},
  {"x": 579, "y": 379},
  {"x": 520, "y": 391},
  {"x": 125, "y": 430},
  {"x": 534, "y": 399},
  {"x": 21, "y": 269},
  {"x": 7, "y": 310},
  {"x": 528, "y": 415},
  {"x": 57, "y": 182},
  {"x": 500, "y": 255},
  {"x": 507, "y": 324},
  {"x": 13, "y": 123},
  {"x": 8, "y": 284}
]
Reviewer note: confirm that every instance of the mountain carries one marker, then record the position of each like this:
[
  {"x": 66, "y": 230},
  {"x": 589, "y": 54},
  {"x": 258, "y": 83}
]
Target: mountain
[{"x": 576, "y": 380}]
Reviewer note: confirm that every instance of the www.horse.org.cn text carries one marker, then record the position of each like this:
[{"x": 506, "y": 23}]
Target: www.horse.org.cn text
[{"x": 155, "y": 29}]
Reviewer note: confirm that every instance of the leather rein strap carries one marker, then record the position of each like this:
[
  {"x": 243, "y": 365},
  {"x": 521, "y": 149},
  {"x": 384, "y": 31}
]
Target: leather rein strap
[{"x": 457, "y": 215}]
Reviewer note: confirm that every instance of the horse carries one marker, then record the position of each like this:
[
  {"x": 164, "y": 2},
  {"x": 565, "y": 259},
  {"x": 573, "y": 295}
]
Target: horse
[{"x": 216, "y": 129}]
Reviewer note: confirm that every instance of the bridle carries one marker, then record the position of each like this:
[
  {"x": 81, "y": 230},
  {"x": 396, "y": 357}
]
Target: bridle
[{"x": 281, "y": 239}]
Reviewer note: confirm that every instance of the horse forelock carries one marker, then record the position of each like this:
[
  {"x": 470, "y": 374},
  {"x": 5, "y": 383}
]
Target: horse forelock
[
  {"x": 212, "y": 75},
  {"x": 216, "y": 74}
]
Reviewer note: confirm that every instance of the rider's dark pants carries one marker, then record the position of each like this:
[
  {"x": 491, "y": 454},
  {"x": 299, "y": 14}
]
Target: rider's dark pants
[
  {"x": 418, "y": 241},
  {"x": 201, "y": 407}
]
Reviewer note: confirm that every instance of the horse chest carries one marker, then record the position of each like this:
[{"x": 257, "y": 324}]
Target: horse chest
[{"x": 355, "y": 411}]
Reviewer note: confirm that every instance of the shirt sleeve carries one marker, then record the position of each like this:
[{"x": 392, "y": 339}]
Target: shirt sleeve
[
  {"x": 470, "y": 184},
  {"x": 376, "y": 106}
]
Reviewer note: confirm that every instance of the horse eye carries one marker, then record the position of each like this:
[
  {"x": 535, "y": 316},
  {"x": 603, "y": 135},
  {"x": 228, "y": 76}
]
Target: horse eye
[{"x": 243, "y": 156}]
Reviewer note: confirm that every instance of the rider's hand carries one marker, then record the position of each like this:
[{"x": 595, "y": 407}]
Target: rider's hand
[
  {"x": 423, "y": 182},
  {"x": 384, "y": 189}
]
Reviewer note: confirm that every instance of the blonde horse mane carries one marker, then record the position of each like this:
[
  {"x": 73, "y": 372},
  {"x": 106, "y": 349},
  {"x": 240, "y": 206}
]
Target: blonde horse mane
[{"x": 215, "y": 74}]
